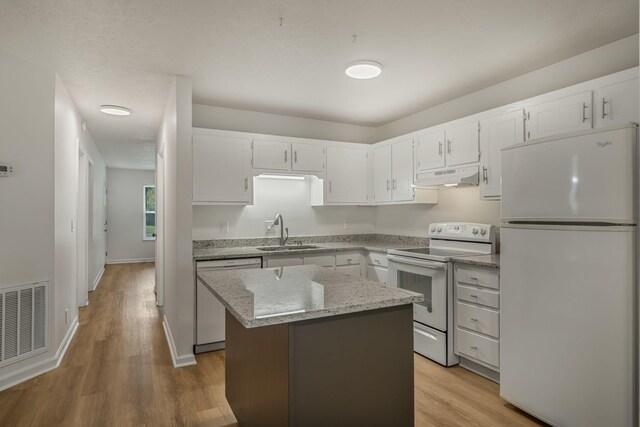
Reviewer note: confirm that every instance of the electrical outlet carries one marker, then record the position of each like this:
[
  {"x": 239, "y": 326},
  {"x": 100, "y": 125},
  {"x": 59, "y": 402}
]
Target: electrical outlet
[
  {"x": 269, "y": 229},
  {"x": 346, "y": 224},
  {"x": 224, "y": 227},
  {"x": 66, "y": 316}
]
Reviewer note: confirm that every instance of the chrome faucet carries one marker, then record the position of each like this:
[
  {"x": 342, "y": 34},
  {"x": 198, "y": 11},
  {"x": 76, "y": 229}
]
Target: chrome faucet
[{"x": 279, "y": 221}]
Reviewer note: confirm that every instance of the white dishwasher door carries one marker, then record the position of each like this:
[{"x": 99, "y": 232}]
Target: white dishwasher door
[{"x": 209, "y": 311}]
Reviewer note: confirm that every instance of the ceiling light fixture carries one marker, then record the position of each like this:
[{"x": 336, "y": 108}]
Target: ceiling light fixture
[
  {"x": 363, "y": 70},
  {"x": 115, "y": 110}
]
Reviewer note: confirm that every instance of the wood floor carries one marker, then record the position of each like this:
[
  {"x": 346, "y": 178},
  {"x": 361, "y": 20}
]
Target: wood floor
[{"x": 118, "y": 372}]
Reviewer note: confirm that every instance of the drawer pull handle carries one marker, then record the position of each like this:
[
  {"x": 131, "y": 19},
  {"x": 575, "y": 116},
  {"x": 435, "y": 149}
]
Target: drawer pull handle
[
  {"x": 473, "y": 278},
  {"x": 349, "y": 260},
  {"x": 377, "y": 261},
  {"x": 473, "y": 296},
  {"x": 473, "y": 347},
  {"x": 473, "y": 319}
]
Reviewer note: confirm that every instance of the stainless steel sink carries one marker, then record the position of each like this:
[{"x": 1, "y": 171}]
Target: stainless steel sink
[{"x": 285, "y": 248}]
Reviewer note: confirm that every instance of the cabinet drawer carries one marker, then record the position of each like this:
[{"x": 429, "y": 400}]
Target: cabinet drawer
[
  {"x": 283, "y": 262},
  {"x": 378, "y": 259},
  {"x": 479, "y": 319},
  {"x": 489, "y": 278},
  {"x": 430, "y": 343},
  {"x": 484, "y": 349},
  {"x": 478, "y": 295},
  {"x": 349, "y": 259},
  {"x": 321, "y": 260},
  {"x": 377, "y": 274},
  {"x": 353, "y": 270}
]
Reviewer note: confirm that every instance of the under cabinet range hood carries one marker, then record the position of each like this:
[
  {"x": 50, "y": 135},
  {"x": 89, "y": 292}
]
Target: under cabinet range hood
[{"x": 449, "y": 177}]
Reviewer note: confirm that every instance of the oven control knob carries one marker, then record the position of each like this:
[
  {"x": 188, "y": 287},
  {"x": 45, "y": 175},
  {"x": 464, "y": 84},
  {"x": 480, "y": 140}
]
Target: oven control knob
[
  {"x": 439, "y": 229},
  {"x": 433, "y": 229},
  {"x": 483, "y": 231},
  {"x": 475, "y": 231}
]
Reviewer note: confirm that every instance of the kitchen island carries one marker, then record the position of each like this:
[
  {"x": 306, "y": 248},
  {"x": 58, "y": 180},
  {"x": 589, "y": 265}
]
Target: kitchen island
[{"x": 307, "y": 346}]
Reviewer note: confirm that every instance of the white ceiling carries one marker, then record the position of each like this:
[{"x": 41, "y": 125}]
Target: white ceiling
[{"x": 124, "y": 52}]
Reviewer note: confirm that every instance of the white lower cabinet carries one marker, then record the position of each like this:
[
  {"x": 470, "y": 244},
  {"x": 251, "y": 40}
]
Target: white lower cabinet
[
  {"x": 477, "y": 315},
  {"x": 328, "y": 261},
  {"x": 377, "y": 274},
  {"x": 376, "y": 267}
]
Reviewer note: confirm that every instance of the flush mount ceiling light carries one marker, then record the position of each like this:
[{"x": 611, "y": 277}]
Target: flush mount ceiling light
[
  {"x": 115, "y": 110},
  {"x": 363, "y": 70}
]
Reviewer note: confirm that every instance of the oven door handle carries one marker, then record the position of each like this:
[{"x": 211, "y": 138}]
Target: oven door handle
[{"x": 417, "y": 263}]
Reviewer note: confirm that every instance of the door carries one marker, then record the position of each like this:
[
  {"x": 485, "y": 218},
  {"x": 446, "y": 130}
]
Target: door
[
  {"x": 346, "y": 175},
  {"x": 160, "y": 243},
  {"x": 585, "y": 176},
  {"x": 284, "y": 262},
  {"x": 462, "y": 144},
  {"x": 377, "y": 274},
  {"x": 382, "y": 174},
  {"x": 617, "y": 103},
  {"x": 567, "y": 324},
  {"x": 272, "y": 155},
  {"x": 221, "y": 169},
  {"x": 430, "y": 151},
  {"x": 402, "y": 170},
  {"x": 566, "y": 114},
  {"x": 496, "y": 133},
  {"x": 427, "y": 278},
  {"x": 307, "y": 158}
]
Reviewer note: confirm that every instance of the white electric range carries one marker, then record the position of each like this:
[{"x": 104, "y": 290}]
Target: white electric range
[{"x": 429, "y": 271}]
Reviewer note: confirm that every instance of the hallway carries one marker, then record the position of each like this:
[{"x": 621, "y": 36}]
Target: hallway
[{"x": 118, "y": 372}]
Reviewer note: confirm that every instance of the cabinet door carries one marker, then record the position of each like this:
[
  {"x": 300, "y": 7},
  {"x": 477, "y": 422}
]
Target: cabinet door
[
  {"x": 402, "y": 170},
  {"x": 617, "y": 103},
  {"x": 377, "y": 274},
  {"x": 430, "y": 151},
  {"x": 307, "y": 158},
  {"x": 495, "y": 133},
  {"x": 353, "y": 270},
  {"x": 462, "y": 144},
  {"x": 566, "y": 114},
  {"x": 382, "y": 174},
  {"x": 272, "y": 155},
  {"x": 221, "y": 169},
  {"x": 346, "y": 175}
]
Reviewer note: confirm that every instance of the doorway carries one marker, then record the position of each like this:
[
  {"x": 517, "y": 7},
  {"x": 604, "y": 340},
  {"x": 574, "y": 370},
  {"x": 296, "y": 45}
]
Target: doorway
[
  {"x": 82, "y": 227},
  {"x": 160, "y": 189}
]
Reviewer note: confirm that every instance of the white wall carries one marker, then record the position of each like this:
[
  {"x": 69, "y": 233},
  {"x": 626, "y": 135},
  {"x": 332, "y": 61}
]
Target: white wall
[
  {"x": 608, "y": 59},
  {"x": 27, "y": 198},
  {"x": 206, "y": 116},
  {"x": 177, "y": 265},
  {"x": 125, "y": 216},
  {"x": 291, "y": 199},
  {"x": 454, "y": 205}
]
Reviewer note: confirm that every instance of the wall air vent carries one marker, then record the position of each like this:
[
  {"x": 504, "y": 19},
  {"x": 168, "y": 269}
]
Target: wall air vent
[{"x": 23, "y": 321}]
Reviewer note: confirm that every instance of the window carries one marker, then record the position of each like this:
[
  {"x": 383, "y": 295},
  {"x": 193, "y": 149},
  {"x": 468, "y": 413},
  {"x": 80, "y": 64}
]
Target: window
[{"x": 149, "y": 231}]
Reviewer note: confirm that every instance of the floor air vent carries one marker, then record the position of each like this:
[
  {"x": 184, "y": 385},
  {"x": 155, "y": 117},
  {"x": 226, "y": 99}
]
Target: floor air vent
[{"x": 23, "y": 321}]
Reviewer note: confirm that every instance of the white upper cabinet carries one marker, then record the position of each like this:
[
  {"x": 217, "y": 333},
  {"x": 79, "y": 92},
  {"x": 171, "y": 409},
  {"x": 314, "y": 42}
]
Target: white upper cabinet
[
  {"x": 566, "y": 114},
  {"x": 347, "y": 173},
  {"x": 430, "y": 150},
  {"x": 462, "y": 144},
  {"x": 221, "y": 170},
  {"x": 307, "y": 157},
  {"x": 402, "y": 170},
  {"x": 617, "y": 103},
  {"x": 382, "y": 174},
  {"x": 272, "y": 155},
  {"x": 495, "y": 133}
]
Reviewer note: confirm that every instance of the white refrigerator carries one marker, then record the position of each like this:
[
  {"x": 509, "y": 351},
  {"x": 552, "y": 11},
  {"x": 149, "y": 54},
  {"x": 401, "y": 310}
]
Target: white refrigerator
[{"x": 568, "y": 278}]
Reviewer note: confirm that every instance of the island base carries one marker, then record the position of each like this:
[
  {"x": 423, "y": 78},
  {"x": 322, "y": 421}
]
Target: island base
[{"x": 348, "y": 370}]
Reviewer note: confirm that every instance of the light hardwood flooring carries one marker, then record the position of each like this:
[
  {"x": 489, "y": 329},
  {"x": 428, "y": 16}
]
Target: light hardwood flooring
[{"x": 118, "y": 372}]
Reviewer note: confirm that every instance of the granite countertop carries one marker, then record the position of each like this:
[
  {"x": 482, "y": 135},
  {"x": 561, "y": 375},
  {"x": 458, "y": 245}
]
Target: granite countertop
[
  {"x": 492, "y": 260},
  {"x": 205, "y": 254},
  {"x": 272, "y": 296}
]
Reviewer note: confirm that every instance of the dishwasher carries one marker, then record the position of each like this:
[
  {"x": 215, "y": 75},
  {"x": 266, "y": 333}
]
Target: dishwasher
[{"x": 209, "y": 311}]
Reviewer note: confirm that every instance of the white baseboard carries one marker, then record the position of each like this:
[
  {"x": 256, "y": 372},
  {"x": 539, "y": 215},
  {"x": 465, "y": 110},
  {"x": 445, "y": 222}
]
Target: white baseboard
[
  {"x": 130, "y": 261},
  {"x": 178, "y": 361},
  {"x": 43, "y": 366},
  {"x": 95, "y": 282}
]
